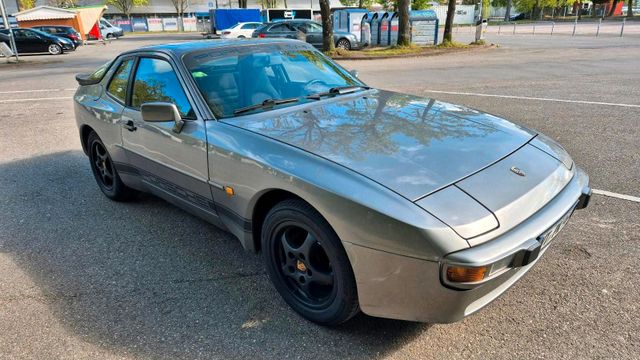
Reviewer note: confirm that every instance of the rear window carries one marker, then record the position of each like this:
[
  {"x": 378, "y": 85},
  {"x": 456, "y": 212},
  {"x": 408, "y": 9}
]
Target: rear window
[{"x": 99, "y": 73}]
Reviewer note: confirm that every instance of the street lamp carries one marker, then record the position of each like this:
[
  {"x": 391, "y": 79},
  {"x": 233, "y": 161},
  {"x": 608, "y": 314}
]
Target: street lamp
[{"x": 5, "y": 19}]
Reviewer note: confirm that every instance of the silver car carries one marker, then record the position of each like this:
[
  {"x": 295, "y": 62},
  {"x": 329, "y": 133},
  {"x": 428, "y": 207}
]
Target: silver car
[{"x": 359, "y": 199}]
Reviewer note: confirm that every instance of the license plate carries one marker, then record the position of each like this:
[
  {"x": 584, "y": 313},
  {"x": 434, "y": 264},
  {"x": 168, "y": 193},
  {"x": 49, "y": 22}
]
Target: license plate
[{"x": 550, "y": 233}]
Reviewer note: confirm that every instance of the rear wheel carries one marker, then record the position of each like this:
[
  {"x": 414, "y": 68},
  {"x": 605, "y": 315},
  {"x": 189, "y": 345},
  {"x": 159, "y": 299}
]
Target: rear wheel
[
  {"x": 55, "y": 49},
  {"x": 109, "y": 36},
  {"x": 104, "y": 171},
  {"x": 307, "y": 263}
]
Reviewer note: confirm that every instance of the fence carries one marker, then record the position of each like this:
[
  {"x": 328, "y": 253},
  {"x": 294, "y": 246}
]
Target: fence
[{"x": 595, "y": 27}]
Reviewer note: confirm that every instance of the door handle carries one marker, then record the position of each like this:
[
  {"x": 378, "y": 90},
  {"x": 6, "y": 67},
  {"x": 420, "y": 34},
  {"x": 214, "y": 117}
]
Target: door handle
[{"x": 129, "y": 125}]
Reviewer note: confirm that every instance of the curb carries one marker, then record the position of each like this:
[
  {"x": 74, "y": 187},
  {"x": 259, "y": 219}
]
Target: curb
[{"x": 422, "y": 54}]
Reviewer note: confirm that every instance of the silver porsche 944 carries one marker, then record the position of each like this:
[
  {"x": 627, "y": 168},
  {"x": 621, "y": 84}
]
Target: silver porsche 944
[{"x": 359, "y": 199}]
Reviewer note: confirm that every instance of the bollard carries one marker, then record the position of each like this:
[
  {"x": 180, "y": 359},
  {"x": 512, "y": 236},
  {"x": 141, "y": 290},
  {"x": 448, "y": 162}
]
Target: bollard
[
  {"x": 575, "y": 23},
  {"x": 514, "y": 28},
  {"x": 622, "y": 28},
  {"x": 499, "y": 26},
  {"x": 598, "y": 30},
  {"x": 534, "y": 29},
  {"x": 553, "y": 24}
]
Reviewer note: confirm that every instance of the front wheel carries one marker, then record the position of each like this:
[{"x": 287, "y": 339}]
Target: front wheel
[
  {"x": 55, "y": 49},
  {"x": 343, "y": 44},
  {"x": 307, "y": 264}
]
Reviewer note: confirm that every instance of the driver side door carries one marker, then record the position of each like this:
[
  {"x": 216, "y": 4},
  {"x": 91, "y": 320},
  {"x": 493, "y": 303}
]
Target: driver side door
[{"x": 170, "y": 163}]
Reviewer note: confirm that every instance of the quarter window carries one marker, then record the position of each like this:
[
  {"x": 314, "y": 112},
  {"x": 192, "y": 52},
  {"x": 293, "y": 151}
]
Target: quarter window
[
  {"x": 118, "y": 85},
  {"x": 156, "y": 81}
]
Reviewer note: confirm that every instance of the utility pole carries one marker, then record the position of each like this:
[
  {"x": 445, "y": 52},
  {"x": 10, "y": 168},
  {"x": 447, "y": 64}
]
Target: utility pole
[{"x": 5, "y": 19}]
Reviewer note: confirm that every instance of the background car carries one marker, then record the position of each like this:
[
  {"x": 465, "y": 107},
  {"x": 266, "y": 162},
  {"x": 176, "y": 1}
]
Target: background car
[
  {"x": 305, "y": 30},
  {"x": 240, "y": 30},
  {"x": 110, "y": 31},
  {"x": 66, "y": 32},
  {"x": 35, "y": 41}
]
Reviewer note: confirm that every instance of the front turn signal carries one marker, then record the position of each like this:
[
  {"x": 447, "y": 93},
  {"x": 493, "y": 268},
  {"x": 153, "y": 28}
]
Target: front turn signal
[{"x": 463, "y": 274}]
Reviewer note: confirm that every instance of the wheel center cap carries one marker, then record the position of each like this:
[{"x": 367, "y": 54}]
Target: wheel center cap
[{"x": 301, "y": 266}]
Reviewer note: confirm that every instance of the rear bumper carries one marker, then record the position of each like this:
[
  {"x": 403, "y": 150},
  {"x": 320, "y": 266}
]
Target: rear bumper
[{"x": 406, "y": 288}]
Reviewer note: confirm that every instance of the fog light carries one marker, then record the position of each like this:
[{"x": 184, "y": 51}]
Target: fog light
[{"x": 463, "y": 274}]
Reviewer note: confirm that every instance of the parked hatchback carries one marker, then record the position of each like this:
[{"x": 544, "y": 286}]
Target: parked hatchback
[
  {"x": 305, "y": 30},
  {"x": 35, "y": 41},
  {"x": 66, "y": 32}
]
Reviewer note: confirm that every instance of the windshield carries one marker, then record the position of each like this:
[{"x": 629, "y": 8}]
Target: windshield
[{"x": 239, "y": 78}]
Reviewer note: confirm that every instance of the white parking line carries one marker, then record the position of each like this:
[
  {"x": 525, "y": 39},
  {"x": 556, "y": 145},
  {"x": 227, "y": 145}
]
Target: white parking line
[
  {"x": 533, "y": 98},
  {"x": 35, "y": 99},
  {"x": 36, "y": 90},
  {"x": 616, "y": 195}
]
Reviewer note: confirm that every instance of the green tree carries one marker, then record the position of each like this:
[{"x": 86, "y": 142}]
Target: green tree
[
  {"x": 26, "y": 4},
  {"x": 362, "y": 4},
  {"x": 125, "y": 6},
  {"x": 420, "y": 4}
]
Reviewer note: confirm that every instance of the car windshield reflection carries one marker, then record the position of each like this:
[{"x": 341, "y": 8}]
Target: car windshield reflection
[{"x": 234, "y": 82}]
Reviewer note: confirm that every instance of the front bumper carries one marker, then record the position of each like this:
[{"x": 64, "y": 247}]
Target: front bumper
[{"x": 400, "y": 287}]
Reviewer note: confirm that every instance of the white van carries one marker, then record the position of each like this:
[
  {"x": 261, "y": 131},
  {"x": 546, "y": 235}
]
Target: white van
[{"x": 109, "y": 31}]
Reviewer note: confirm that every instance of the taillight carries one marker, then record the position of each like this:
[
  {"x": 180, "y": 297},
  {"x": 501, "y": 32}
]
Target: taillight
[
  {"x": 262, "y": 35},
  {"x": 226, "y": 32},
  {"x": 73, "y": 36}
]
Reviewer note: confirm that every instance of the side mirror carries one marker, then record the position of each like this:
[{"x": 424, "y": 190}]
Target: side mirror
[
  {"x": 162, "y": 112},
  {"x": 354, "y": 73}
]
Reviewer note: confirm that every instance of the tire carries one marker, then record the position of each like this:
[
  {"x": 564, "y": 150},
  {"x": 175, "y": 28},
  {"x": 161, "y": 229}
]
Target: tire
[
  {"x": 241, "y": 37},
  {"x": 343, "y": 44},
  {"x": 104, "y": 171},
  {"x": 109, "y": 36},
  {"x": 307, "y": 264},
  {"x": 55, "y": 49}
]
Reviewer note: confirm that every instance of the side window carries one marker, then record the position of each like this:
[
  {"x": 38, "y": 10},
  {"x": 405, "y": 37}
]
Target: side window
[
  {"x": 118, "y": 84},
  {"x": 156, "y": 81},
  {"x": 248, "y": 26},
  {"x": 280, "y": 27}
]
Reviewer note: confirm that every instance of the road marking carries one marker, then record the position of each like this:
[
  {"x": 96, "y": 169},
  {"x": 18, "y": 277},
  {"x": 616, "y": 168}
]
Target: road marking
[
  {"x": 36, "y": 99},
  {"x": 533, "y": 98},
  {"x": 36, "y": 90},
  {"x": 616, "y": 195}
]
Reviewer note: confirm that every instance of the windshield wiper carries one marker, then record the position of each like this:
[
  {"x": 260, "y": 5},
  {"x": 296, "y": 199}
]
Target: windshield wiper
[
  {"x": 338, "y": 90},
  {"x": 268, "y": 103}
]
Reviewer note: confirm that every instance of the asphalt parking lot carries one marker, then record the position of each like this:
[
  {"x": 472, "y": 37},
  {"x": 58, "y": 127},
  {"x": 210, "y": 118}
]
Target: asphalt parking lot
[{"x": 84, "y": 277}]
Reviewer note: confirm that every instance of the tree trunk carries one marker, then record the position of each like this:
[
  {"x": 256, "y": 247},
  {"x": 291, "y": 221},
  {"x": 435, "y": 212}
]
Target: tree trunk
[
  {"x": 360, "y": 4},
  {"x": 404, "y": 28},
  {"x": 630, "y": 8},
  {"x": 612, "y": 8},
  {"x": 507, "y": 14},
  {"x": 327, "y": 27},
  {"x": 448, "y": 25}
]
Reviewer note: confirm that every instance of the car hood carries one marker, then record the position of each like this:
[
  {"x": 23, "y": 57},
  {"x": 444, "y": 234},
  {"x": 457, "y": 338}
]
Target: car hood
[{"x": 412, "y": 145}]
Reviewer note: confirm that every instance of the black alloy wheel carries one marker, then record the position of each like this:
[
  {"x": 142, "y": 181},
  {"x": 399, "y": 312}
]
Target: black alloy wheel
[
  {"x": 105, "y": 172},
  {"x": 307, "y": 263}
]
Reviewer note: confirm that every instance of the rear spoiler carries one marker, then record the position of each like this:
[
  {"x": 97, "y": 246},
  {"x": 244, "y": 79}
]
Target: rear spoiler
[{"x": 85, "y": 79}]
